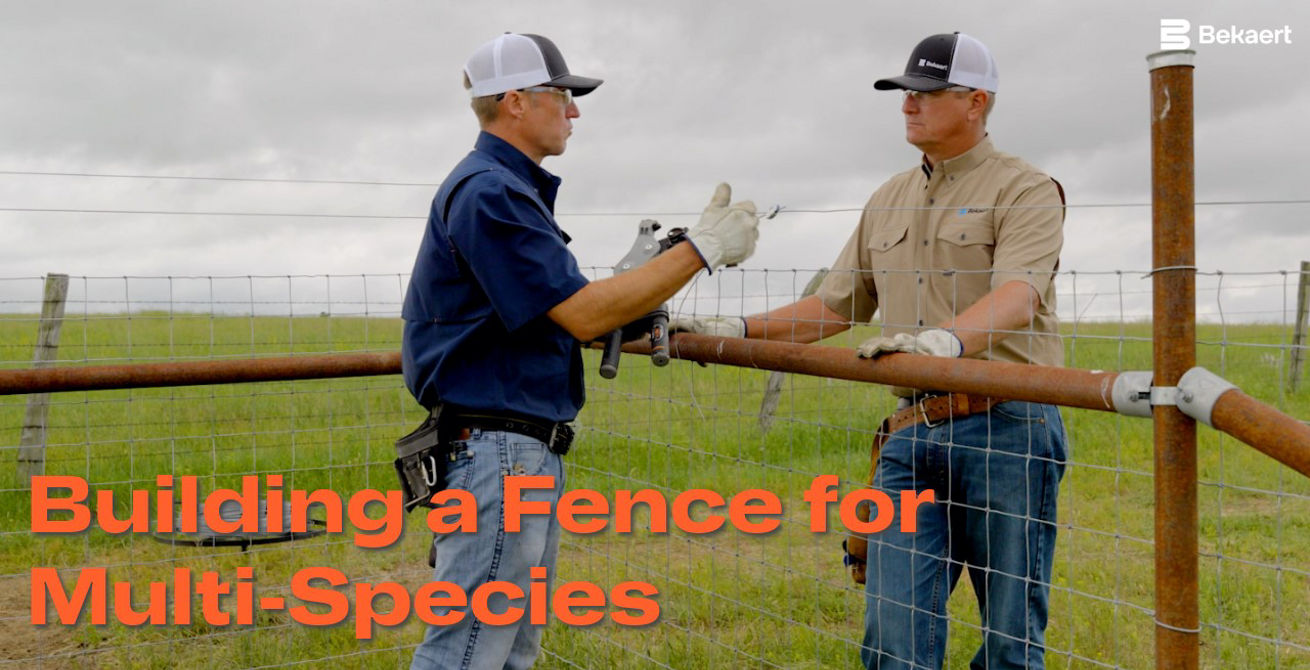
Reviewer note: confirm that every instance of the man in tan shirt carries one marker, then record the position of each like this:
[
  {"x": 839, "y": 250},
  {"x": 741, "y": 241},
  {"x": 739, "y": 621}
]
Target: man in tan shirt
[{"x": 958, "y": 255}]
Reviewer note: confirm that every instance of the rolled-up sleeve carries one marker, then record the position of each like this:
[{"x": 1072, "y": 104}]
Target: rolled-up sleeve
[
  {"x": 848, "y": 289},
  {"x": 1029, "y": 234},
  {"x": 516, "y": 254}
]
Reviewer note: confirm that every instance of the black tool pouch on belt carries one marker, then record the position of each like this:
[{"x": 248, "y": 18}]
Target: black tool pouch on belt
[{"x": 421, "y": 462}]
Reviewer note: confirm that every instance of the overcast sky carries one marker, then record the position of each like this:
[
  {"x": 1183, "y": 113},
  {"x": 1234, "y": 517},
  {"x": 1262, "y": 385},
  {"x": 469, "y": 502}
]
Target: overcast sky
[{"x": 774, "y": 97}]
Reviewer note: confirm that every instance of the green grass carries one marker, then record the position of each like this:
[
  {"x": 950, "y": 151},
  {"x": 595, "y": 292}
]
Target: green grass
[{"x": 728, "y": 599}]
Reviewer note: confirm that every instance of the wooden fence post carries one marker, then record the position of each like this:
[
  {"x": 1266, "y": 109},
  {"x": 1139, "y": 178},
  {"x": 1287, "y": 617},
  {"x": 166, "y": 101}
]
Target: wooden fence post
[
  {"x": 773, "y": 390},
  {"x": 31, "y": 450},
  {"x": 1298, "y": 338}
]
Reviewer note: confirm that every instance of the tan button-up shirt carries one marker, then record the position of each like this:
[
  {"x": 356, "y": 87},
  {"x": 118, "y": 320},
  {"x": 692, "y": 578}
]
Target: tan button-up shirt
[{"x": 933, "y": 242}]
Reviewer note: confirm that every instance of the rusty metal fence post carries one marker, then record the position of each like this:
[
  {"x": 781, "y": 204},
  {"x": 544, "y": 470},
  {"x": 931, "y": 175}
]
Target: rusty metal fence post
[{"x": 1173, "y": 235}]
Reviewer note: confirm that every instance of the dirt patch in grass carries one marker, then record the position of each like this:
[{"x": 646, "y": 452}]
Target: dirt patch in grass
[{"x": 50, "y": 646}]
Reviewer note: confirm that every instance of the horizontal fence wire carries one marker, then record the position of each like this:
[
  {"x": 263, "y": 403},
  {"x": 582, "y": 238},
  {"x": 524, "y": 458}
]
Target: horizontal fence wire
[
  {"x": 727, "y": 599},
  {"x": 1082, "y": 297}
]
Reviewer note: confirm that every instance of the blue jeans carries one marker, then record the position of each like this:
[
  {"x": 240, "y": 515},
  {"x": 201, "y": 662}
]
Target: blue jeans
[
  {"x": 491, "y": 554},
  {"x": 996, "y": 477}
]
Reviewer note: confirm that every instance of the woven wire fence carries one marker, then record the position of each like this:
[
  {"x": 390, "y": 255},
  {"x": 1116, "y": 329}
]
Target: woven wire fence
[{"x": 727, "y": 599}]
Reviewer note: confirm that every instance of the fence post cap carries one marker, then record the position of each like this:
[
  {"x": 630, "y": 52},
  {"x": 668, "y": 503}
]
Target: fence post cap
[{"x": 1171, "y": 58}]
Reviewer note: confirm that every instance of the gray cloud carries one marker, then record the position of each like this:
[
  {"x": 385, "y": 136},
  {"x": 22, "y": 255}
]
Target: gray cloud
[{"x": 775, "y": 97}]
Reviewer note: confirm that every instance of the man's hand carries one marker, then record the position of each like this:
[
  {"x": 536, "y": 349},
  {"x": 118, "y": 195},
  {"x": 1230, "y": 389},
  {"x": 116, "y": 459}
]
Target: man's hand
[
  {"x": 725, "y": 234},
  {"x": 719, "y": 326},
  {"x": 934, "y": 342}
]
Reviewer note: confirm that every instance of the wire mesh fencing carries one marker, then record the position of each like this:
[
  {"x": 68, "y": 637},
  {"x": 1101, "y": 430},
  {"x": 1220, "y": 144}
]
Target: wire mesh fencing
[{"x": 727, "y": 598}]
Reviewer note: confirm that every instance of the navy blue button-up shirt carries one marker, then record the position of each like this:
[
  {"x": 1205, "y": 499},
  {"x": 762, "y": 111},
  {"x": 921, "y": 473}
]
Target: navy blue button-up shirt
[{"x": 492, "y": 263}]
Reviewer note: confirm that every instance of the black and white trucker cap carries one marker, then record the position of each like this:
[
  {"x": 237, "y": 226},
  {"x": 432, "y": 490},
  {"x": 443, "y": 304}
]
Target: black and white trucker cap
[
  {"x": 942, "y": 61},
  {"x": 514, "y": 61}
]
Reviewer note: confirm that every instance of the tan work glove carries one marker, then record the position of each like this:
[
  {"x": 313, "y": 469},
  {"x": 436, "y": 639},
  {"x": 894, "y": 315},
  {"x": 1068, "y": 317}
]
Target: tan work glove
[
  {"x": 932, "y": 342},
  {"x": 726, "y": 234},
  {"x": 719, "y": 326}
]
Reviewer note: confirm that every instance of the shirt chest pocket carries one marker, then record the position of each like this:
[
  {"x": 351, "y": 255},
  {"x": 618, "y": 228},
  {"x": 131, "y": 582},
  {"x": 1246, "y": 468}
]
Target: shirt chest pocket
[
  {"x": 889, "y": 238},
  {"x": 966, "y": 242},
  {"x": 890, "y": 247},
  {"x": 968, "y": 230}
]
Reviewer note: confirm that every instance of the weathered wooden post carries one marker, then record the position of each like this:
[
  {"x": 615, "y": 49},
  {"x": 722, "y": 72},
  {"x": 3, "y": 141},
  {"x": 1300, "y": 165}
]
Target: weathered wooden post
[
  {"x": 773, "y": 390},
  {"x": 1298, "y": 337},
  {"x": 31, "y": 445}
]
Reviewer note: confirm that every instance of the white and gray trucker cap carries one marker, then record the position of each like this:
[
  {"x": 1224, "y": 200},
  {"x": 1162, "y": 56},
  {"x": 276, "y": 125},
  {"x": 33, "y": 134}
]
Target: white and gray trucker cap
[{"x": 513, "y": 61}]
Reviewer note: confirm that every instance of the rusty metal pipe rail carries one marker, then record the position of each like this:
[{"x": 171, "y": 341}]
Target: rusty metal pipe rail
[
  {"x": 1273, "y": 433},
  {"x": 1280, "y": 436},
  {"x": 1070, "y": 387},
  {"x": 1277, "y": 435},
  {"x": 197, "y": 373}
]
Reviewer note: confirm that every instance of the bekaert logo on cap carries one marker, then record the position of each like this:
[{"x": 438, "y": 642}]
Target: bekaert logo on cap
[{"x": 944, "y": 60}]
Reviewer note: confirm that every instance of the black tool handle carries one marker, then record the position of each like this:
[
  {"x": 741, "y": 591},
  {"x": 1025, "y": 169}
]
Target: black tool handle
[
  {"x": 609, "y": 361},
  {"x": 659, "y": 337}
]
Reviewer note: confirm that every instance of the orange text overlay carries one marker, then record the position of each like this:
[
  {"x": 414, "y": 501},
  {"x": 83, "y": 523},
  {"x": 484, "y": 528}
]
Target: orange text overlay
[
  {"x": 327, "y": 598},
  {"x": 64, "y": 504}
]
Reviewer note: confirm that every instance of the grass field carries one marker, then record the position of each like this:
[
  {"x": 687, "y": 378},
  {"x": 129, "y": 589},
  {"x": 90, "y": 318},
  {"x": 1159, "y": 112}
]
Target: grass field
[{"x": 728, "y": 599}]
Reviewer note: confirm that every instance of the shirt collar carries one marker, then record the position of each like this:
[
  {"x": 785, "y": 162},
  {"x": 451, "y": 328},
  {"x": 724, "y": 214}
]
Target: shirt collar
[
  {"x": 965, "y": 161},
  {"x": 545, "y": 183}
]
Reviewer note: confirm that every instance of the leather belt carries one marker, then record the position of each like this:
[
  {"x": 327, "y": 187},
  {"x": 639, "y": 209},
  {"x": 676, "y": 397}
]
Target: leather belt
[
  {"x": 934, "y": 410},
  {"x": 557, "y": 436}
]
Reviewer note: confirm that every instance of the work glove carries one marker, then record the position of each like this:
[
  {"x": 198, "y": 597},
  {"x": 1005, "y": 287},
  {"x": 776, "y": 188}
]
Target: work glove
[
  {"x": 719, "y": 326},
  {"x": 725, "y": 234},
  {"x": 932, "y": 342}
]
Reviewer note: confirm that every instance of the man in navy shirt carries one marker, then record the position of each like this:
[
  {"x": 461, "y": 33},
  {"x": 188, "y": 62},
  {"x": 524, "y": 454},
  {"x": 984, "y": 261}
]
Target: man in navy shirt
[{"x": 494, "y": 314}]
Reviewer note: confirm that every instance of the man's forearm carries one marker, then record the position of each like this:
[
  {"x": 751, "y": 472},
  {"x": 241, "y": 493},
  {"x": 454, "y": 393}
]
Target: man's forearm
[
  {"x": 1007, "y": 309},
  {"x": 606, "y": 304},
  {"x": 804, "y": 321}
]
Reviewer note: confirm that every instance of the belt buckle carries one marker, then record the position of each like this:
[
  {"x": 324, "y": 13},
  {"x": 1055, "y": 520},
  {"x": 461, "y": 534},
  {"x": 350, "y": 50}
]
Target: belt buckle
[{"x": 923, "y": 412}]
